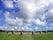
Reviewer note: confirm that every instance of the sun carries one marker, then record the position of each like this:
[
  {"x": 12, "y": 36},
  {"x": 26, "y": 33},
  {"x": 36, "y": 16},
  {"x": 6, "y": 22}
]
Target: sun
[{"x": 31, "y": 7}]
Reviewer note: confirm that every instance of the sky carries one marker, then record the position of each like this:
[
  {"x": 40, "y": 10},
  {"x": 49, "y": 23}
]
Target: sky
[{"x": 26, "y": 15}]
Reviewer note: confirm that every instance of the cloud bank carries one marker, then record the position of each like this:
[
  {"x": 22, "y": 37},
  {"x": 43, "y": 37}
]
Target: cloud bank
[{"x": 39, "y": 12}]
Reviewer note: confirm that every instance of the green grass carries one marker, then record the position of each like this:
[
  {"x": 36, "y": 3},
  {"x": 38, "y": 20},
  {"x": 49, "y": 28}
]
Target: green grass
[
  {"x": 48, "y": 36},
  {"x": 4, "y": 36},
  {"x": 27, "y": 36}
]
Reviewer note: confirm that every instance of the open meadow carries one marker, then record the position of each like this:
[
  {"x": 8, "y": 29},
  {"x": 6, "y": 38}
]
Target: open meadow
[{"x": 26, "y": 36}]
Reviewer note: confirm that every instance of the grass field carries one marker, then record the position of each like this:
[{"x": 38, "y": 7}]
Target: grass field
[{"x": 26, "y": 36}]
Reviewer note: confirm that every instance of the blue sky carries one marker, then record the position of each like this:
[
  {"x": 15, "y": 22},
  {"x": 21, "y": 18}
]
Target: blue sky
[{"x": 26, "y": 15}]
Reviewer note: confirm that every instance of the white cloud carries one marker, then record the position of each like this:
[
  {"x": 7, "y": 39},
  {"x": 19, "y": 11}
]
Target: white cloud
[
  {"x": 50, "y": 1},
  {"x": 39, "y": 22},
  {"x": 17, "y": 18},
  {"x": 51, "y": 24},
  {"x": 50, "y": 28},
  {"x": 30, "y": 9},
  {"x": 26, "y": 28},
  {"x": 8, "y": 4},
  {"x": 12, "y": 29},
  {"x": 20, "y": 22},
  {"x": 51, "y": 11},
  {"x": 43, "y": 17},
  {"x": 36, "y": 28},
  {"x": 16, "y": 27},
  {"x": 1, "y": 27},
  {"x": 30, "y": 29},
  {"x": 11, "y": 21},
  {"x": 47, "y": 27},
  {"x": 27, "y": 22},
  {"x": 49, "y": 17},
  {"x": 22, "y": 28}
]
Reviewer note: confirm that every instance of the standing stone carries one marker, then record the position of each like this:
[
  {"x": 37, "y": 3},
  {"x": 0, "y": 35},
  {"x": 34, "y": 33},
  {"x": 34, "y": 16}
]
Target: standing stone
[
  {"x": 12, "y": 32},
  {"x": 32, "y": 33},
  {"x": 21, "y": 33},
  {"x": 7, "y": 32}
]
